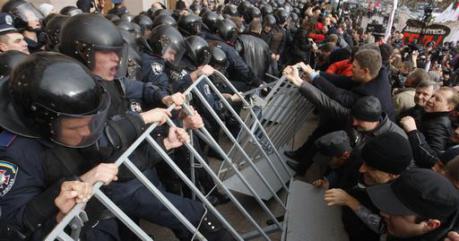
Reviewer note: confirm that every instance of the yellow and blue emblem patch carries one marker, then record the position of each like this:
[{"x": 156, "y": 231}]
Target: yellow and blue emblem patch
[{"x": 8, "y": 173}]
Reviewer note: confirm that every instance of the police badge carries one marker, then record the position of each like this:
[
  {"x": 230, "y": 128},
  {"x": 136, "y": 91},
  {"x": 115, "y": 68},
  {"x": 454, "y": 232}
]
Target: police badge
[
  {"x": 157, "y": 68},
  {"x": 8, "y": 172}
]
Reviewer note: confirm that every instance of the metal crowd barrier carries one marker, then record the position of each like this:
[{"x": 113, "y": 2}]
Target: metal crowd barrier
[
  {"x": 259, "y": 139},
  {"x": 281, "y": 114}
]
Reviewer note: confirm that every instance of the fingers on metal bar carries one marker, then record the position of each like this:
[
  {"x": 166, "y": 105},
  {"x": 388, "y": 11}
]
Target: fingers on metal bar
[{"x": 261, "y": 140}]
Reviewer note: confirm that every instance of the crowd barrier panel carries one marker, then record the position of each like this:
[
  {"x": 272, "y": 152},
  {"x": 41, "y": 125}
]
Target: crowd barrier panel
[{"x": 259, "y": 140}]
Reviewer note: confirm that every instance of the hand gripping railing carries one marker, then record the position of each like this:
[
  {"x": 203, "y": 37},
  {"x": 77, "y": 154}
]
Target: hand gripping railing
[{"x": 204, "y": 134}]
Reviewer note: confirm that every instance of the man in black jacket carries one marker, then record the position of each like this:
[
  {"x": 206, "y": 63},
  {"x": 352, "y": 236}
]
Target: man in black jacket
[
  {"x": 430, "y": 137},
  {"x": 372, "y": 80},
  {"x": 369, "y": 74},
  {"x": 385, "y": 157}
]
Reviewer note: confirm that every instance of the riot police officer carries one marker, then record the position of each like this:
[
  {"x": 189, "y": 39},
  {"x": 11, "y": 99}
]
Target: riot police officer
[
  {"x": 53, "y": 30},
  {"x": 46, "y": 91},
  {"x": 209, "y": 20},
  {"x": 145, "y": 23},
  {"x": 238, "y": 71},
  {"x": 97, "y": 43},
  {"x": 27, "y": 19},
  {"x": 161, "y": 59},
  {"x": 189, "y": 25}
]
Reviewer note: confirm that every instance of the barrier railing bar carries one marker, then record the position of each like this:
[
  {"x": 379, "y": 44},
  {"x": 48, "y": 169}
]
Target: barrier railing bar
[
  {"x": 275, "y": 134},
  {"x": 121, "y": 216},
  {"x": 231, "y": 137},
  {"x": 64, "y": 237},
  {"x": 157, "y": 193},
  {"x": 77, "y": 209},
  {"x": 227, "y": 191},
  {"x": 254, "y": 138},
  {"x": 302, "y": 118},
  {"x": 191, "y": 185}
]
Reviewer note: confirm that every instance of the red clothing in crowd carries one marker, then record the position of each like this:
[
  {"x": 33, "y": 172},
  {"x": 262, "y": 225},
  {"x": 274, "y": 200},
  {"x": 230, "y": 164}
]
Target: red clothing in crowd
[{"x": 343, "y": 67}]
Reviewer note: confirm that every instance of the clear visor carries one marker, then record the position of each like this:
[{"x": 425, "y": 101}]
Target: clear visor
[
  {"x": 79, "y": 131},
  {"x": 173, "y": 53},
  {"x": 28, "y": 13}
]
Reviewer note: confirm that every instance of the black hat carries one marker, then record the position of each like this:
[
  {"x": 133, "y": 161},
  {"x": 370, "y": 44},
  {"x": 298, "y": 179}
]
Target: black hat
[
  {"x": 417, "y": 191},
  {"x": 389, "y": 152},
  {"x": 6, "y": 24},
  {"x": 334, "y": 144},
  {"x": 367, "y": 108}
]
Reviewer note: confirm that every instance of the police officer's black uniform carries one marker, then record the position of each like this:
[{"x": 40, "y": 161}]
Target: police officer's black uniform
[{"x": 81, "y": 43}]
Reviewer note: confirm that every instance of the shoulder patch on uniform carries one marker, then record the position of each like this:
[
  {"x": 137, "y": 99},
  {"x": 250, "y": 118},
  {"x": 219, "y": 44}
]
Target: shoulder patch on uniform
[
  {"x": 157, "y": 68},
  {"x": 6, "y": 138},
  {"x": 8, "y": 172}
]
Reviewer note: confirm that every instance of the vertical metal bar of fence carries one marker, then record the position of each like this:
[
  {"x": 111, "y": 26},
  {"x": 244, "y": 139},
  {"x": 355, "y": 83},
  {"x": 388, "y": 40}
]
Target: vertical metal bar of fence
[
  {"x": 157, "y": 193},
  {"x": 121, "y": 216},
  {"x": 192, "y": 166},
  {"x": 77, "y": 209},
  {"x": 231, "y": 137},
  {"x": 191, "y": 185},
  {"x": 281, "y": 81},
  {"x": 288, "y": 116},
  {"x": 59, "y": 233},
  {"x": 227, "y": 191},
  {"x": 255, "y": 139}
]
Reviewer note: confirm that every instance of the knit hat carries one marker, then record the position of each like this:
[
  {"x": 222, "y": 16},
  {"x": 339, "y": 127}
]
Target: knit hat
[
  {"x": 367, "y": 108},
  {"x": 389, "y": 152},
  {"x": 334, "y": 144}
]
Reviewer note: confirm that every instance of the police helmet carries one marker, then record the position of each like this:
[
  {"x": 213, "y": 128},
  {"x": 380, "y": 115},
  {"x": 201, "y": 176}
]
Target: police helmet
[
  {"x": 266, "y": 10},
  {"x": 9, "y": 60},
  {"x": 189, "y": 24},
  {"x": 210, "y": 20},
  {"x": 197, "y": 50},
  {"x": 84, "y": 34},
  {"x": 48, "y": 94},
  {"x": 23, "y": 13},
  {"x": 70, "y": 11},
  {"x": 218, "y": 58},
  {"x": 227, "y": 29},
  {"x": 53, "y": 30},
  {"x": 281, "y": 15},
  {"x": 269, "y": 20},
  {"x": 164, "y": 38},
  {"x": 231, "y": 10},
  {"x": 164, "y": 19},
  {"x": 144, "y": 22}
]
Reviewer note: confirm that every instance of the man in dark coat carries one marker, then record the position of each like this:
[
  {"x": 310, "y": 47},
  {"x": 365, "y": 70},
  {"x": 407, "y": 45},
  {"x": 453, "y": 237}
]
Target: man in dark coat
[{"x": 371, "y": 79}]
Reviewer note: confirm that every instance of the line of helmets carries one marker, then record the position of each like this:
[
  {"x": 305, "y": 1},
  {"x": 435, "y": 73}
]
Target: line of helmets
[
  {"x": 152, "y": 31},
  {"x": 185, "y": 31},
  {"x": 29, "y": 99}
]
